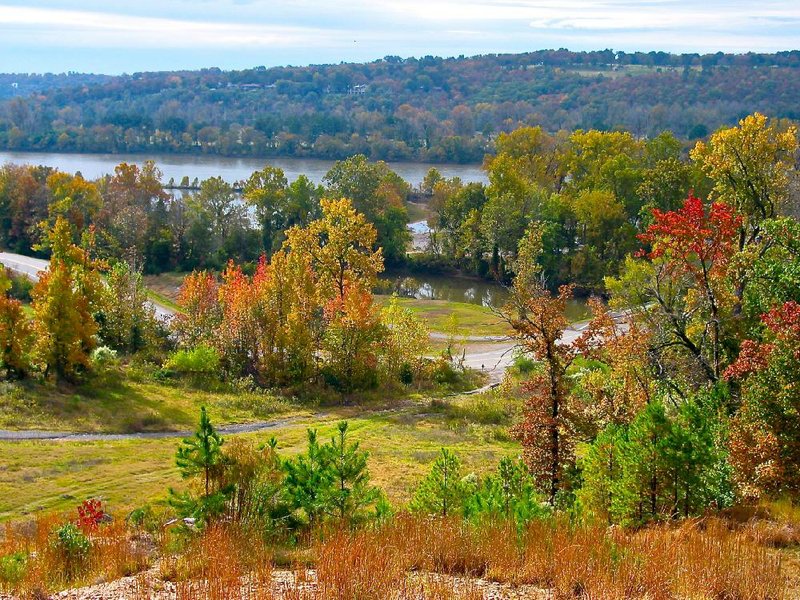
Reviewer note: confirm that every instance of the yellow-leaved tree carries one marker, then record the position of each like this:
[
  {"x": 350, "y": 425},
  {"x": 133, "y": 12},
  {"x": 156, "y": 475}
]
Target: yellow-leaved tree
[
  {"x": 64, "y": 302},
  {"x": 750, "y": 167},
  {"x": 341, "y": 248}
]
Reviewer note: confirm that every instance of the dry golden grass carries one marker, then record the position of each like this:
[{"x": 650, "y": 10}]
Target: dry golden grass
[
  {"x": 224, "y": 563},
  {"x": 413, "y": 558},
  {"x": 115, "y": 552},
  {"x": 697, "y": 559}
]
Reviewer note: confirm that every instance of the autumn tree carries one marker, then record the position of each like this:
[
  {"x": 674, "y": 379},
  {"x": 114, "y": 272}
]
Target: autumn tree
[
  {"x": 352, "y": 337},
  {"x": 622, "y": 383},
  {"x": 16, "y": 334},
  {"x": 132, "y": 196},
  {"x": 269, "y": 322},
  {"x": 682, "y": 292},
  {"x": 64, "y": 302},
  {"x": 403, "y": 343},
  {"x": 547, "y": 431},
  {"x": 751, "y": 167},
  {"x": 200, "y": 310},
  {"x": 77, "y": 200},
  {"x": 379, "y": 194},
  {"x": 765, "y": 433},
  {"x": 127, "y": 321},
  {"x": 537, "y": 156},
  {"x": 341, "y": 244},
  {"x": 24, "y": 200}
]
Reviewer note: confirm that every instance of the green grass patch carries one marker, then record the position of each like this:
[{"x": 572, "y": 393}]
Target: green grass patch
[
  {"x": 165, "y": 287},
  {"x": 122, "y": 400},
  {"x": 471, "y": 319},
  {"x": 163, "y": 300},
  {"x": 127, "y": 473}
]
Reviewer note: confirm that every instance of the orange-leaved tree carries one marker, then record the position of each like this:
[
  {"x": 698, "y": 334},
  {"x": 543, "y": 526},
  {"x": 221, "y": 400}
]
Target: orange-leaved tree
[
  {"x": 16, "y": 335},
  {"x": 200, "y": 316}
]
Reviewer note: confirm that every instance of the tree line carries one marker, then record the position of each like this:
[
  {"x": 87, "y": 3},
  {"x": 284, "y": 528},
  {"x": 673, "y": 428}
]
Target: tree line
[
  {"x": 305, "y": 317},
  {"x": 429, "y": 109},
  {"x": 134, "y": 219}
]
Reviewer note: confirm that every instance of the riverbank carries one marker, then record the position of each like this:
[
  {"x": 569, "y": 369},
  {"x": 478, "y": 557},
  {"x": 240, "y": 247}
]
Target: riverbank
[{"x": 231, "y": 169}]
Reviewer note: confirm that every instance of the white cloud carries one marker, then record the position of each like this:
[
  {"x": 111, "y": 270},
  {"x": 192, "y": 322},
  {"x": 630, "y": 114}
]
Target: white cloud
[
  {"x": 598, "y": 14},
  {"x": 156, "y": 34},
  {"x": 86, "y": 28}
]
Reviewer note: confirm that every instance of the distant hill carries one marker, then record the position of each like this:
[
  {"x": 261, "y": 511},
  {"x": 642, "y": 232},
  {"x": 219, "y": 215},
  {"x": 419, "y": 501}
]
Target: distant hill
[
  {"x": 429, "y": 109},
  {"x": 24, "y": 84}
]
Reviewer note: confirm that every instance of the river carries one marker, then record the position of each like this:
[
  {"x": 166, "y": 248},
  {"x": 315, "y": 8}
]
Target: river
[{"x": 177, "y": 166}]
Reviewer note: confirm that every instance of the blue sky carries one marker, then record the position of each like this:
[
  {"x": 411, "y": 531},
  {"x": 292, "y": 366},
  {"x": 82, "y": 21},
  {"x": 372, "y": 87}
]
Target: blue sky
[{"x": 116, "y": 37}]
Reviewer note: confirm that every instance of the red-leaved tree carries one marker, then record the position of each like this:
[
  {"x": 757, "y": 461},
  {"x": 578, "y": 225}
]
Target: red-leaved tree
[
  {"x": 765, "y": 433},
  {"x": 691, "y": 252}
]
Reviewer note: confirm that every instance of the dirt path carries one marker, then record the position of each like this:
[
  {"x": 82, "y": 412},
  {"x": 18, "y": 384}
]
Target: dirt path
[{"x": 287, "y": 584}]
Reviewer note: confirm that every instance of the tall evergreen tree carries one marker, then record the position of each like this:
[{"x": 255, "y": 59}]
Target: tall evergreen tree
[
  {"x": 350, "y": 491},
  {"x": 201, "y": 454}
]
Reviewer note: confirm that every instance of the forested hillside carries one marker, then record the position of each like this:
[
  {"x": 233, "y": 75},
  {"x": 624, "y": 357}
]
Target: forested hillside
[{"x": 428, "y": 109}]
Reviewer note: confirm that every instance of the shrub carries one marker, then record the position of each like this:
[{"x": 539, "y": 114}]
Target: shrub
[
  {"x": 12, "y": 569},
  {"x": 104, "y": 356},
  {"x": 202, "y": 359},
  {"x": 406, "y": 374},
  {"x": 72, "y": 547},
  {"x": 90, "y": 515},
  {"x": 524, "y": 365},
  {"x": 20, "y": 288}
]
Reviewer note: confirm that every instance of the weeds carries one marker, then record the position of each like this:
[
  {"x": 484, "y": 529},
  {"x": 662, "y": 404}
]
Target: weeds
[{"x": 414, "y": 558}]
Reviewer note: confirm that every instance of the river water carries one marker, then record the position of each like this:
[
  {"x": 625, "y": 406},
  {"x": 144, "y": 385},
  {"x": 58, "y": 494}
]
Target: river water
[{"x": 176, "y": 166}]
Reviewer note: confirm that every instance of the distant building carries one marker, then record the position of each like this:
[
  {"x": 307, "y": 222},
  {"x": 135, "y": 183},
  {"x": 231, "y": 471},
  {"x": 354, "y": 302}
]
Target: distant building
[{"x": 358, "y": 90}]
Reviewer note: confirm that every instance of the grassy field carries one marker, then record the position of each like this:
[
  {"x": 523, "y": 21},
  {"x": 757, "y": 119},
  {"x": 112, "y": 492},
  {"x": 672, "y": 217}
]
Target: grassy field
[
  {"x": 402, "y": 442},
  {"x": 124, "y": 402},
  {"x": 471, "y": 319}
]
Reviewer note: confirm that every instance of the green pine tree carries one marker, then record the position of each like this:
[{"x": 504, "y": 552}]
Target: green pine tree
[
  {"x": 307, "y": 478},
  {"x": 443, "y": 490},
  {"x": 602, "y": 469},
  {"x": 350, "y": 491},
  {"x": 202, "y": 454},
  {"x": 508, "y": 494}
]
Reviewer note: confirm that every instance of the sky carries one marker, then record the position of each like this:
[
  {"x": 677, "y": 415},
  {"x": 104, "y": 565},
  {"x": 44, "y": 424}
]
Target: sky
[{"x": 103, "y": 36}]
